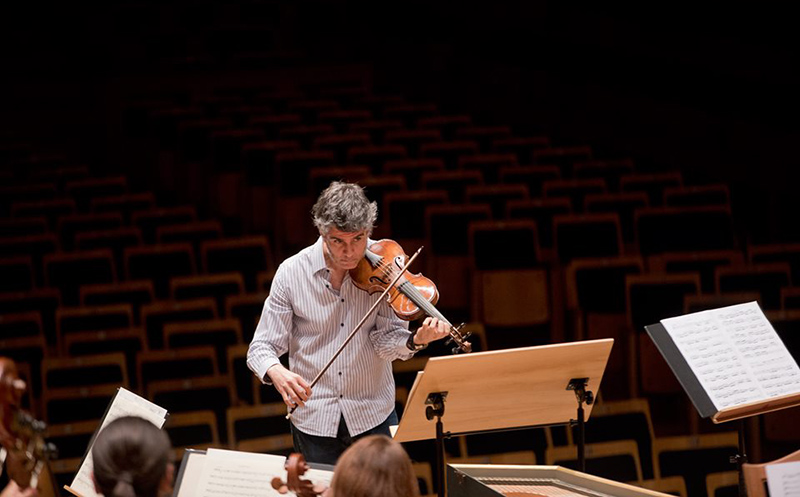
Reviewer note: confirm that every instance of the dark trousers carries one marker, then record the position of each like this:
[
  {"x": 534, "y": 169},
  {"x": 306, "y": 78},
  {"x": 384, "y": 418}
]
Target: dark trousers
[{"x": 326, "y": 450}]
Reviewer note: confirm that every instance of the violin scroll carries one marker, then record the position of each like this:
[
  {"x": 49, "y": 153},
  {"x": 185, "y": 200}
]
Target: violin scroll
[{"x": 296, "y": 466}]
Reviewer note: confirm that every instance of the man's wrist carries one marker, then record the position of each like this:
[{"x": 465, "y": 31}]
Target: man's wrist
[{"x": 413, "y": 345}]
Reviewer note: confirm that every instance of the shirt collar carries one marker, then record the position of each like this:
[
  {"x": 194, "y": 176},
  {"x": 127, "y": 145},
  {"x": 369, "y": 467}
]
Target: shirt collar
[{"x": 318, "y": 257}]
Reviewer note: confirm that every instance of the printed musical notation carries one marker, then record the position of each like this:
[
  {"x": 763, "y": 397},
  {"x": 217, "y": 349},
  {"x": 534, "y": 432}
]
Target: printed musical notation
[
  {"x": 783, "y": 479},
  {"x": 735, "y": 353}
]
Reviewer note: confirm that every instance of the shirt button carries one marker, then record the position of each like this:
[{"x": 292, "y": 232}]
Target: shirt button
[
  {"x": 340, "y": 396},
  {"x": 342, "y": 300},
  {"x": 342, "y": 324},
  {"x": 340, "y": 373}
]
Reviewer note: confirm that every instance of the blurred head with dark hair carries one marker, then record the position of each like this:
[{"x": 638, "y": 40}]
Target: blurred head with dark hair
[{"x": 132, "y": 459}]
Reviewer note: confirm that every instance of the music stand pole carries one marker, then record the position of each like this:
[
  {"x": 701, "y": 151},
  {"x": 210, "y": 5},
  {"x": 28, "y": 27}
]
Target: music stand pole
[{"x": 436, "y": 409}]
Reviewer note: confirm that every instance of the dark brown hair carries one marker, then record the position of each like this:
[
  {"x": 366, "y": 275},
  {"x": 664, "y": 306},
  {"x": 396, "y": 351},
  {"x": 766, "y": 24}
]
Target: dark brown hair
[
  {"x": 374, "y": 466},
  {"x": 130, "y": 458}
]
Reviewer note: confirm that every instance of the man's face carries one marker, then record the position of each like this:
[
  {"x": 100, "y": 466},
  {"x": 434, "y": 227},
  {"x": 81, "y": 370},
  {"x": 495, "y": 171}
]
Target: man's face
[{"x": 344, "y": 249}]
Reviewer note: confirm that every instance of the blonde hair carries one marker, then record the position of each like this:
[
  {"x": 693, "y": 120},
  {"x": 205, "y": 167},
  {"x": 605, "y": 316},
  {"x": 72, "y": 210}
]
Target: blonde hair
[{"x": 374, "y": 466}]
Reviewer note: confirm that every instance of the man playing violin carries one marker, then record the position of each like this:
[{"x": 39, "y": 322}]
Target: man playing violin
[{"x": 312, "y": 307}]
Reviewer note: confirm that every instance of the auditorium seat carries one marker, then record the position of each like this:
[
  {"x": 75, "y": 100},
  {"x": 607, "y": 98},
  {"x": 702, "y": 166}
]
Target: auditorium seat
[
  {"x": 534, "y": 177},
  {"x": 92, "y": 370},
  {"x": 447, "y": 124},
  {"x": 263, "y": 428},
  {"x": 217, "y": 286},
  {"x": 375, "y": 156},
  {"x": 624, "y": 420},
  {"x": 342, "y": 120},
  {"x": 194, "y": 394},
  {"x": 227, "y": 145},
  {"x": 412, "y": 170},
  {"x": 684, "y": 229},
  {"x": 405, "y": 214},
  {"x": 790, "y": 253},
  {"x": 563, "y": 157},
  {"x": 293, "y": 169},
  {"x": 650, "y": 298},
  {"x": 542, "y": 212},
  {"x": 33, "y": 225},
  {"x": 704, "y": 263},
  {"x": 305, "y": 134},
  {"x": 340, "y": 144},
  {"x": 47, "y": 209},
  {"x": 695, "y": 457},
  {"x": 455, "y": 183},
  {"x": 586, "y": 235},
  {"x": 220, "y": 334},
  {"x": 674, "y": 485},
  {"x": 449, "y": 152},
  {"x": 696, "y": 196},
  {"x": 624, "y": 204},
  {"x": 703, "y": 302},
  {"x": 157, "y": 314},
  {"x": 522, "y": 147},
  {"x": 485, "y": 136},
  {"x": 247, "y": 309},
  {"x": 608, "y": 170},
  {"x": 532, "y": 442},
  {"x": 135, "y": 293},
  {"x": 150, "y": 220},
  {"x": 73, "y": 224},
  {"x": 320, "y": 178},
  {"x": 410, "y": 113},
  {"x": 18, "y": 275},
  {"x": 575, "y": 189},
  {"x": 129, "y": 341},
  {"x": 413, "y": 139},
  {"x": 618, "y": 461},
  {"x": 376, "y": 188},
  {"x": 273, "y": 124},
  {"x": 194, "y": 136},
  {"x": 28, "y": 192},
  {"x": 21, "y": 324},
  {"x": 68, "y": 271},
  {"x": 117, "y": 240},
  {"x": 490, "y": 165},
  {"x": 186, "y": 363},
  {"x": 44, "y": 301},
  {"x": 260, "y": 160},
  {"x": 722, "y": 484},
  {"x": 83, "y": 191},
  {"x": 160, "y": 263},
  {"x": 497, "y": 196},
  {"x": 790, "y": 297},
  {"x": 35, "y": 246},
  {"x": 376, "y": 129},
  {"x": 248, "y": 255},
  {"x": 243, "y": 381},
  {"x": 94, "y": 318},
  {"x": 192, "y": 430},
  {"x": 73, "y": 404},
  {"x": 652, "y": 184},
  {"x": 767, "y": 279}
]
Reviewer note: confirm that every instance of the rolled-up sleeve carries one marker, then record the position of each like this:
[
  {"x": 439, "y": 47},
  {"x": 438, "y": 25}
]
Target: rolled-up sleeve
[
  {"x": 390, "y": 335},
  {"x": 271, "y": 338}
]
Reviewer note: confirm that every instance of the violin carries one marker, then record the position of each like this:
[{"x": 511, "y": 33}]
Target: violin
[
  {"x": 22, "y": 436},
  {"x": 412, "y": 296},
  {"x": 296, "y": 466}
]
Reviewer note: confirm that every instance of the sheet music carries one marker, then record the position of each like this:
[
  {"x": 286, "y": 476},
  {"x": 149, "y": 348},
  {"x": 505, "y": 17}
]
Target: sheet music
[
  {"x": 241, "y": 474},
  {"x": 125, "y": 403},
  {"x": 783, "y": 479},
  {"x": 735, "y": 353}
]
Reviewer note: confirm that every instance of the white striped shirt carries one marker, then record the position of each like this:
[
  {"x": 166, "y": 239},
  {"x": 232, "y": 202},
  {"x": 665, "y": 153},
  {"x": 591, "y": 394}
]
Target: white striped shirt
[{"x": 307, "y": 317}]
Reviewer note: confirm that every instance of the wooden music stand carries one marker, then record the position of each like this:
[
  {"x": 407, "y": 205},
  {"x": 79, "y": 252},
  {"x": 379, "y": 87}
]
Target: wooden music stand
[
  {"x": 755, "y": 475},
  {"x": 502, "y": 390}
]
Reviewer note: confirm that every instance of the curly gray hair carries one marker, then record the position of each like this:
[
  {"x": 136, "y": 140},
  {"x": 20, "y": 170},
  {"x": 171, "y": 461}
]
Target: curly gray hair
[{"x": 344, "y": 206}]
